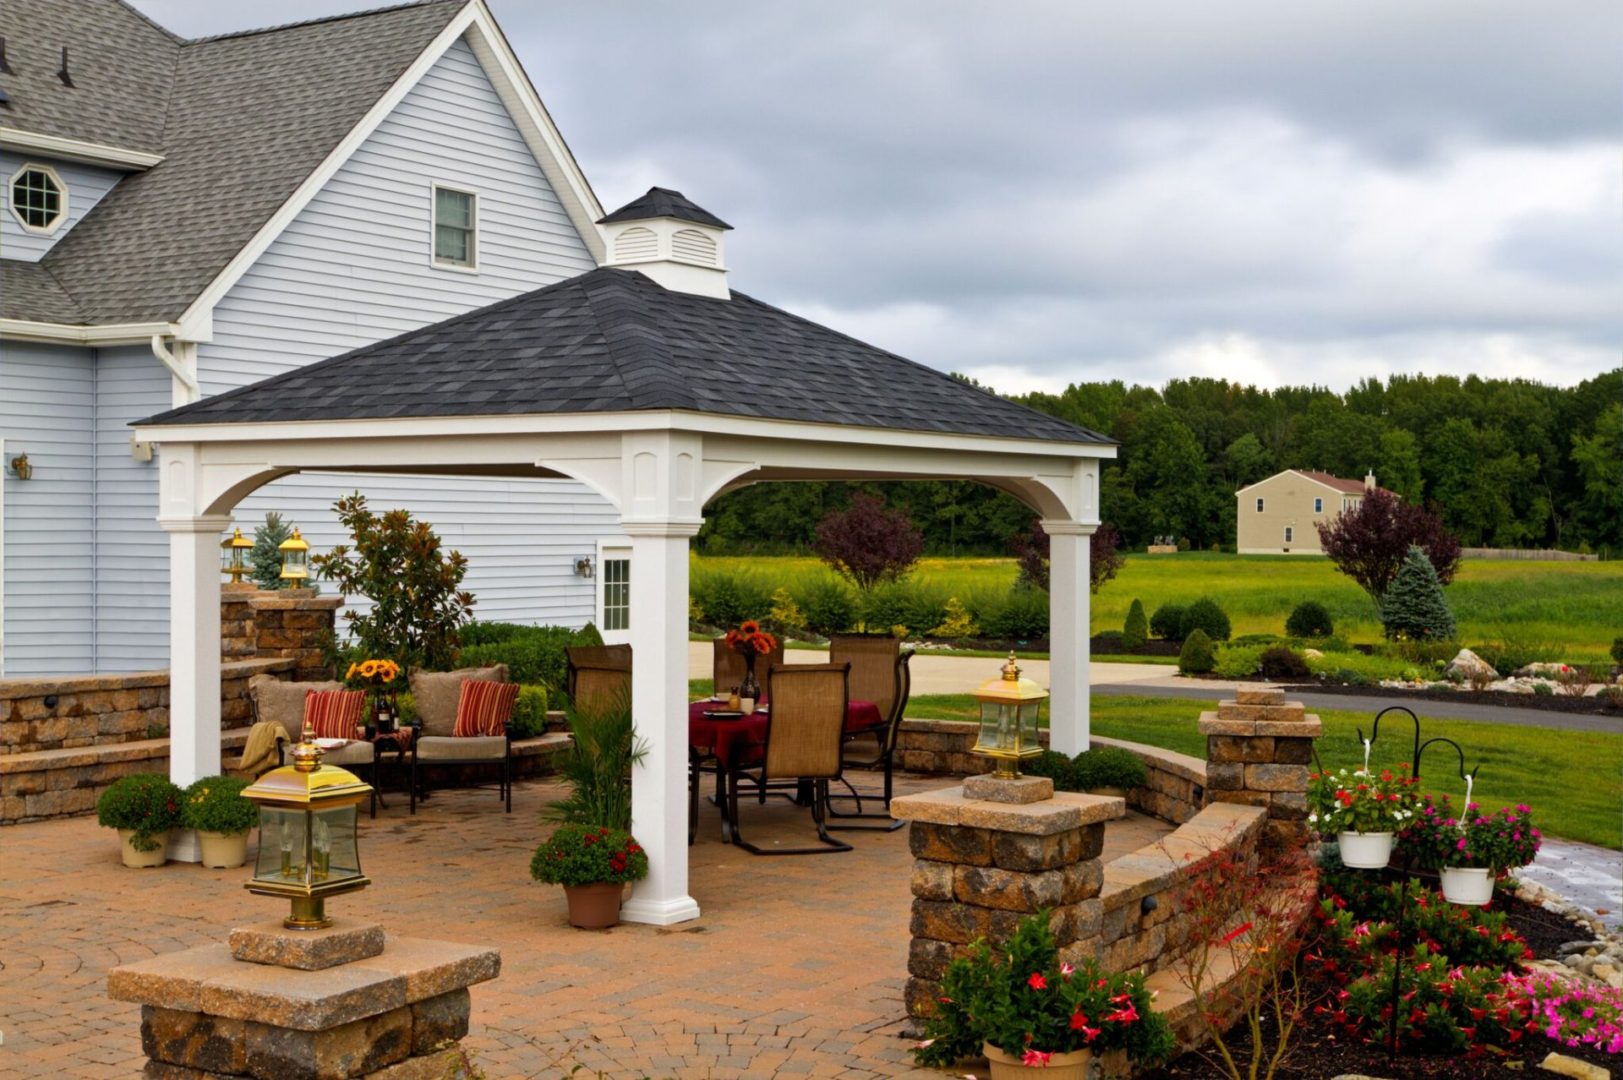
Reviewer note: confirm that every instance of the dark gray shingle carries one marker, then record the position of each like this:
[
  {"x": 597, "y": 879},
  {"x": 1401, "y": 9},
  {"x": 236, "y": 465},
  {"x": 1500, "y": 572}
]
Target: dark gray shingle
[
  {"x": 663, "y": 202},
  {"x": 29, "y": 292}
]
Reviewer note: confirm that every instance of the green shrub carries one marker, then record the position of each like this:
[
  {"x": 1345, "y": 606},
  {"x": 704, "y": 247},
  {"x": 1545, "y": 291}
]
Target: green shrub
[
  {"x": 489, "y": 633},
  {"x": 1255, "y": 639},
  {"x": 1617, "y": 650},
  {"x": 1335, "y": 644},
  {"x": 1109, "y": 641},
  {"x": 1280, "y": 662},
  {"x": 900, "y": 603},
  {"x": 1167, "y": 622},
  {"x": 1512, "y": 654},
  {"x": 146, "y": 803},
  {"x": 785, "y": 619},
  {"x": 1238, "y": 661},
  {"x": 588, "y": 855},
  {"x": 1367, "y": 669},
  {"x": 1420, "y": 652},
  {"x": 597, "y": 768},
  {"x": 1309, "y": 620},
  {"x": 1196, "y": 657},
  {"x": 530, "y": 712},
  {"x": 1136, "y": 631},
  {"x": 830, "y": 607},
  {"x": 1054, "y": 765},
  {"x": 534, "y": 655},
  {"x": 1022, "y": 616},
  {"x": 957, "y": 622},
  {"x": 1413, "y": 607},
  {"x": 1543, "y": 689},
  {"x": 728, "y": 600},
  {"x": 406, "y": 707},
  {"x": 1205, "y": 614},
  {"x": 215, "y": 804},
  {"x": 1108, "y": 766}
]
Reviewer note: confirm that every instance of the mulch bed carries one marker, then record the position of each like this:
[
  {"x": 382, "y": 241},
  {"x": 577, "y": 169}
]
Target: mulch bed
[
  {"x": 1592, "y": 705},
  {"x": 1320, "y": 1051}
]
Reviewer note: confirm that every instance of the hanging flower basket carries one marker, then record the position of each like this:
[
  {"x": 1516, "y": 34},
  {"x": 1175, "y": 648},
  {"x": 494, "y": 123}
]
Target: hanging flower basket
[
  {"x": 1363, "y": 810},
  {"x": 1470, "y": 886},
  {"x": 1365, "y": 851}
]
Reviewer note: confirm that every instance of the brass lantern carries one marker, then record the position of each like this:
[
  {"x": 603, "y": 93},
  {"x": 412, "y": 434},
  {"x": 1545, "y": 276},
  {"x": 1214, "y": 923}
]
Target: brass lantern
[
  {"x": 308, "y": 817},
  {"x": 1010, "y": 707},
  {"x": 295, "y": 560},
  {"x": 232, "y": 555}
]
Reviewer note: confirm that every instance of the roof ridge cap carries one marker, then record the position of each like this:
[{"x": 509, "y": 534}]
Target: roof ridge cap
[
  {"x": 623, "y": 349},
  {"x": 317, "y": 21}
]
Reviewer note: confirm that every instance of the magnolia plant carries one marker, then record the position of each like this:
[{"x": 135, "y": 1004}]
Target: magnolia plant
[
  {"x": 1437, "y": 839},
  {"x": 1360, "y": 801}
]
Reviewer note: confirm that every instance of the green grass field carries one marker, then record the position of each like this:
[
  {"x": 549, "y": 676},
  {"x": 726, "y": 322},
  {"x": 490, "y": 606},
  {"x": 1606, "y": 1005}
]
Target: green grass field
[
  {"x": 1570, "y": 610},
  {"x": 1572, "y": 779}
]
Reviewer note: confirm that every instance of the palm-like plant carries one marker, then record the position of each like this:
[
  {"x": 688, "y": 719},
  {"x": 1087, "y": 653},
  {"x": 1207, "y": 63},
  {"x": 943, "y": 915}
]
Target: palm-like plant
[{"x": 598, "y": 767}]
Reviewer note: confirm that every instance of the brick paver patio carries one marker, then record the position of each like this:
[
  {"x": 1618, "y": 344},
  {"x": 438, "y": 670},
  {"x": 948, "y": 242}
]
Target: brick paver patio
[{"x": 796, "y": 968}]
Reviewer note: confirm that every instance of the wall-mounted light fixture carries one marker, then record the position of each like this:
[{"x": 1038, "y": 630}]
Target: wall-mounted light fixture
[
  {"x": 583, "y": 567},
  {"x": 21, "y": 469}
]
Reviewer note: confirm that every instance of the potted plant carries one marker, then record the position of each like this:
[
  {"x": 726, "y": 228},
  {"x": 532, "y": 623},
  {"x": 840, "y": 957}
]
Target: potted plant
[
  {"x": 143, "y": 808},
  {"x": 1363, "y": 810},
  {"x": 1470, "y": 853},
  {"x": 214, "y": 806},
  {"x": 593, "y": 864},
  {"x": 1025, "y": 1009},
  {"x": 1109, "y": 770}
]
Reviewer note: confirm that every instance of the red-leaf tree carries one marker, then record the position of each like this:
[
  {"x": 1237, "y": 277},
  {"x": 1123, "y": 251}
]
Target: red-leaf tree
[
  {"x": 869, "y": 542},
  {"x": 1105, "y": 559},
  {"x": 1368, "y": 543}
]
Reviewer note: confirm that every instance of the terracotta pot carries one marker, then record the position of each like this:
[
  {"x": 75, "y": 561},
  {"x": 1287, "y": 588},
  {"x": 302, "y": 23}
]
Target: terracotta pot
[
  {"x": 141, "y": 860},
  {"x": 223, "y": 851},
  {"x": 1072, "y": 1066},
  {"x": 1365, "y": 851},
  {"x": 1469, "y": 886},
  {"x": 594, "y": 907}
]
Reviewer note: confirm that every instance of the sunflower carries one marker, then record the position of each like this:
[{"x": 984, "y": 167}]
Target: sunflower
[
  {"x": 749, "y": 627},
  {"x": 369, "y": 669}
]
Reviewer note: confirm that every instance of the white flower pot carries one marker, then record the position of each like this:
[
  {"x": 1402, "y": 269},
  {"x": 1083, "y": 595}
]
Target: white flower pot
[
  {"x": 1365, "y": 851},
  {"x": 143, "y": 860},
  {"x": 1072, "y": 1066},
  {"x": 1471, "y": 886},
  {"x": 224, "y": 851}
]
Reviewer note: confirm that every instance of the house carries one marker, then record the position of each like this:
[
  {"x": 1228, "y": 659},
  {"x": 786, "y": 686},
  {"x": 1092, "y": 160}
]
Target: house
[
  {"x": 1280, "y": 515},
  {"x": 186, "y": 217}
]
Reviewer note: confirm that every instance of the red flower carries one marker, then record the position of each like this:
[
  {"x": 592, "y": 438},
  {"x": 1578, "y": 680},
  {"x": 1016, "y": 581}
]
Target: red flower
[
  {"x": 1037, "y": 982},
  {"x": 748, "y": 627},
  {"x": 1089, "y": 1034},
  {"x": 1078, "y": 1021},
  {"x": 1236, "y": 932}
]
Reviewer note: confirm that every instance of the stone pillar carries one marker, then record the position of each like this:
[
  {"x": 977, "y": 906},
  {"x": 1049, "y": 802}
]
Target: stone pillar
[
  {"x": 236, "y": 620},
  {"x": 1258, "y": 750},
  {"x": 289, "y": 624},
  {"x": 982, "y": 862},
  {"x": 280, "y": 1004}
]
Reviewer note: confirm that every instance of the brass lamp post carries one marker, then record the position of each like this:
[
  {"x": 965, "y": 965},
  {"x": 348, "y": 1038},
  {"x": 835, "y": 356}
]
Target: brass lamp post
[
  {"x": 232, "y": 553},
  {"x": 308, "y": 817},
  {"x": 1010, "y": 707},
  {"x": 295, "y": 560}
]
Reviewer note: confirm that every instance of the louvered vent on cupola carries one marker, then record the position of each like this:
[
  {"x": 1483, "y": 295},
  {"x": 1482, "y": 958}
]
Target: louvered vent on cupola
[{"x": 667, "y": 237}]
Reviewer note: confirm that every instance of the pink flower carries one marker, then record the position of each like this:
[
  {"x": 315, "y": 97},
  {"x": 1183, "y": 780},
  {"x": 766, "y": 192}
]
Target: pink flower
[
  {"x": 1461, "y": 845},
  {"x": 1035, "y": 1059},
  {"x": 1066, "y": 969}
]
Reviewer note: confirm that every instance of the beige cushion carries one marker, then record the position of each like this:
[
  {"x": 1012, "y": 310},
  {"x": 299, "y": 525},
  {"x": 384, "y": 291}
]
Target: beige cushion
[
  {"x": 358, "y": 752},
  {"x": 283, "y": 702},
  {"x": 437, "y": 693},
  {"x": 468, "y": 748}
]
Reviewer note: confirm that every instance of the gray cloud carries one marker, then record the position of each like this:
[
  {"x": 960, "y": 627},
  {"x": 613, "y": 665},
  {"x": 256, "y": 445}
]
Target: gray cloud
[{"x": 1044, "y": 192}]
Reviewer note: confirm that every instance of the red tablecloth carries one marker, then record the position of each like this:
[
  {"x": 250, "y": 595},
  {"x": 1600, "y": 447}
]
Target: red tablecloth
[{"x": 723, "y": 737}]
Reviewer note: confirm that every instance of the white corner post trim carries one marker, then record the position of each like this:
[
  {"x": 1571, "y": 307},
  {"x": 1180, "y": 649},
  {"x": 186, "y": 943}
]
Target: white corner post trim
[
  {"x": 1068, "y": 634},
  {"x": 659, "y": 648},
  {"x": 182, "y": 365}
]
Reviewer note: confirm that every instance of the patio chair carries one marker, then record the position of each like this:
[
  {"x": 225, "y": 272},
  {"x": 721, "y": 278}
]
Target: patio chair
[
  {"x": 598, "y": 676},
  {"x": 880, "y": 673},
  {"x": 459, "y": 728},
  {"x": 286, "y": 703},
  {"x": 804, "y": 733},
  {"x": 727, "y": 669}
]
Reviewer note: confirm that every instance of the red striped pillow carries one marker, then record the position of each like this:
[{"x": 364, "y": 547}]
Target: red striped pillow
[
  {"x": 335, "y": 714},
  {"x": 484, "y": 708}
]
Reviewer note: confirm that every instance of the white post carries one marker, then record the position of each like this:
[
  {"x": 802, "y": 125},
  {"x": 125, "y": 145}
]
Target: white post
[
  {"x": 1068, "y": 634},
  {"x": 194, "y": 656}
]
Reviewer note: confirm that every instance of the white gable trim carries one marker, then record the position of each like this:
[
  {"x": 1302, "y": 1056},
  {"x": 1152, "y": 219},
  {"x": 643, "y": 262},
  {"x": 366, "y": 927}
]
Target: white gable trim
[
  {"x": 64, "y": 333},
  {"x": 1304, "y": 476},
  {"x": 29, "y": 142},
  {"x": 474, "y": 21}
]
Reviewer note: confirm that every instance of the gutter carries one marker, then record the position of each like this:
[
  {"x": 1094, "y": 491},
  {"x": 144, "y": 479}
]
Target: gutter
[{"x": 185, "y": 373}]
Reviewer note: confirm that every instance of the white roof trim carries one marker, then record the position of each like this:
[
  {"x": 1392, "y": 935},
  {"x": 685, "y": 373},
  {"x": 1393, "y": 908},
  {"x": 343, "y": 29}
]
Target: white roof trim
[
  {"x": 551, "y": 154},
  {"x": 1304, "y": 476},
  {"x": 29, "y": 142},
  {"x": 63, "y": 333}
]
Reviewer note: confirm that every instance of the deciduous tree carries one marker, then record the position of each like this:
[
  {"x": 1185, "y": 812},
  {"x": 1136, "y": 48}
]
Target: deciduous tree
[
  {"x": 868, "y": 543},
  {"x": 1105, "y": 559},
  {"x": 1370, "y": 542}
]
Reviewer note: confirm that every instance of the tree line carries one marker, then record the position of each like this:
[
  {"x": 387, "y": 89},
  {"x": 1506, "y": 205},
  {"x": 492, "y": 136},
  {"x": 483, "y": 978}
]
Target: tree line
[{"x": 1505, "y": 462}]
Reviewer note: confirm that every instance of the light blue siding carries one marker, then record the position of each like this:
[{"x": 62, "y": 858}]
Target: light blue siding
[
  {"x": 86, "y": 185},
  {"x": 47, "y": 401}
]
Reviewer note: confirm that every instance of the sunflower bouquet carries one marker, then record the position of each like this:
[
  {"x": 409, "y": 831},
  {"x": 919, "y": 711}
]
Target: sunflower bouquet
[
  {"x": 750, "y": 639},
  {"x": 378, "y": 678}
]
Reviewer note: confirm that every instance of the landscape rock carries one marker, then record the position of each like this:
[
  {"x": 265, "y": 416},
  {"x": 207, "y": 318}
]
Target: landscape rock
[
  {"x": 1562, "y": 1065},
  {"x": 1467, "y": 663}
]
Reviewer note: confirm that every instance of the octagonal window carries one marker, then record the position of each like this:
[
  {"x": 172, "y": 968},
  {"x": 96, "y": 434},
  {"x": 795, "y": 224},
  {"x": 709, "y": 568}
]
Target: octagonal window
[{"x": 38, "y": 198}]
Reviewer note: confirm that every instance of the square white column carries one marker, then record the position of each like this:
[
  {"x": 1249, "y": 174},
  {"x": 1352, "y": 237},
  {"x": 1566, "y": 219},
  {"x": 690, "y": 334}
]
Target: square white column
[{"x": 1068, "y": 634}]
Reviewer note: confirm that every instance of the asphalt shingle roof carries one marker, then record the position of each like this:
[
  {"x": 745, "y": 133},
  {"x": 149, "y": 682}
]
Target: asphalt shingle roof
[
  {"x": 663, "y": 202},
  {"x": 242, "y": 119},
  {"x": 28, "y": 291},
  {"x": 613, "y": 340}
]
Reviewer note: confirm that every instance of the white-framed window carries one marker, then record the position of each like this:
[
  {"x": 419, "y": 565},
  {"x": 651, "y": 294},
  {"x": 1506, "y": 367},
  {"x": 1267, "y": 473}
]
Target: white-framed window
[
  {"x": 1318, "y": 506},
  {"x": 38, "y": 198},
  {"x": 1259, "y": 506},
  {"x": 1290, "y": 534},
  {"x": 614, "y": 593},
  {"x": 456, "y": 228}
]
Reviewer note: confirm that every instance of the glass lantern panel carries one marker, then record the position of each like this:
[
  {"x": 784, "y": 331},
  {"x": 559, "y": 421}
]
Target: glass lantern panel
[
  {"x": 333, "y": 839},
  {"x": 998, "y": 726},
  {"x": 282, "y": 839}
]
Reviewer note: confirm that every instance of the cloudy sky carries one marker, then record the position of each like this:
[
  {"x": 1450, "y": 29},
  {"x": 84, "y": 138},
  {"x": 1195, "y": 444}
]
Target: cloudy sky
[{"x": 1041, "y": 193}]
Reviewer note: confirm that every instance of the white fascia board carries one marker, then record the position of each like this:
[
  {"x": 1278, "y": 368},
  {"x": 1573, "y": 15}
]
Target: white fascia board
[
  {"x": 267, "y": 234},
  {"x": 118, "y": 157},
  {"x": 429, "y": 427},
  {"x": 546, "y": 143},
  {"x": 62, "y": 333},
  {"x": 1282, "y": 472}
]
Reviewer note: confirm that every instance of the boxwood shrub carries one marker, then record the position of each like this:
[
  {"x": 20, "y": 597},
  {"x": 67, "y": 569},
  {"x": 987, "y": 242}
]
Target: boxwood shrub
[
  {"x": 1197, "y": 657},
  {"x": 1309, "y": 619},
  {"x": 1205, "y": 614},
  {"x": 1167, "y": 622},
  {"x": 1108, "y": 766}
]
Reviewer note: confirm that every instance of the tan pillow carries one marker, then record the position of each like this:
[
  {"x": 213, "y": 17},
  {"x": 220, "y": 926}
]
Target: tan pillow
[
  {"x": 436, "y": 694},
  {"x": 283, "y": 702}
]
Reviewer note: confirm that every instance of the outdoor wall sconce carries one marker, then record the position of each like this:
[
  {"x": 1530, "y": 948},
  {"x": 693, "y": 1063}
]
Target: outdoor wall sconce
[
  {"x": 232, "y": 554},
  {"x": 583, "y": 567},
  {"x": 309, "y": 814},
  {"x": 21, "y": 469},
  {"x": 295, "y": 560},
  {"x": 1010, "y": 707}
]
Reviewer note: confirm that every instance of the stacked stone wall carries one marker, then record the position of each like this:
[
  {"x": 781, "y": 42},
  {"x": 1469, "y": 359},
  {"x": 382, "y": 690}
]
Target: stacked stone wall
[{"x": 1258, "y": 751}]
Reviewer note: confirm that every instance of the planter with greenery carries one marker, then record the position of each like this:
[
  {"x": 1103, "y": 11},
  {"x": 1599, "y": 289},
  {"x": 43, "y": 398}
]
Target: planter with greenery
[
  {"x": 214, "y": 806},
  {"x": 1025, "y": 1009},
  {"x": 143, "y": 808},
  {"x": 593, "y": 864},
  {"x": 1363, "y": 811},
  {"x": 1470, "y": 852}
]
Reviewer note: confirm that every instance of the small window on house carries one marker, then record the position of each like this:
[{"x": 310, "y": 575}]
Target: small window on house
[
  {"x": 1290, "y": 534},
  {"x": 456, "y": 226},
  {"x": 1318, "y": 506},
  {"x": 38, "y": 198},
  {"x": 1259, "y": 506},
  {"x": 616, "y": 594}
]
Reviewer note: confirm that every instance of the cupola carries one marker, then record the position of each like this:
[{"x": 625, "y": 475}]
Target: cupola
[{"x": 667, "y": 237}]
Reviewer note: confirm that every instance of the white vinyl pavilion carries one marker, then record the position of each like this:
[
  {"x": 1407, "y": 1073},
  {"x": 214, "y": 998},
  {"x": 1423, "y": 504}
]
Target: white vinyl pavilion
[{"x": 659, "y": 468}]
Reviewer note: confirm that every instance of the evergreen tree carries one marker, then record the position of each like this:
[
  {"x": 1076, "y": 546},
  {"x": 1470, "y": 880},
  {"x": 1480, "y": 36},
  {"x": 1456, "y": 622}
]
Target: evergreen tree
[
  {"x": 266, "y": 557},
  {"x": 1413, "y": 608},
  {"x": 1137, "y": 630},
  {"x": 1197, "y": 656}
]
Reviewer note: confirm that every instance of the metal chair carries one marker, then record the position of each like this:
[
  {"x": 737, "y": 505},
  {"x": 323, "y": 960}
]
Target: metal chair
[
  {"x": 880, "y": 673},
  {"x": 805, "y": 729},
  {"x": 598, "y": 676}
]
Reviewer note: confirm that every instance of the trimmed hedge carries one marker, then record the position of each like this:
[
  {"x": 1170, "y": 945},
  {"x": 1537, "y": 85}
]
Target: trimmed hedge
[{"x": 534, "y": 655}]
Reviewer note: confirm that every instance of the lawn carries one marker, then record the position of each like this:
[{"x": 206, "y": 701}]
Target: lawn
[
  {"x": 1569, "y": 610},
  {"x": 1572, "y": 779}
]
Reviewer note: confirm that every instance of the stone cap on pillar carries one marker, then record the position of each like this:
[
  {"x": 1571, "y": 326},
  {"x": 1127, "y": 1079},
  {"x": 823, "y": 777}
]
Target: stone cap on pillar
[
  {"x": 1254, "y": 721},
  {"x": 1066, "y": 810}
]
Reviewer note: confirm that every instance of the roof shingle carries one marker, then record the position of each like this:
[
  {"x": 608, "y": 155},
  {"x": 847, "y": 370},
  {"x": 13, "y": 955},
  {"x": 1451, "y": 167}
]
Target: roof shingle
[{"x": 663, "y": 202}]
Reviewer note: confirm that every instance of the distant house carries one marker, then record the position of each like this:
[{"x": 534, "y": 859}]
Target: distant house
[{"x": 1280, "y": 515}]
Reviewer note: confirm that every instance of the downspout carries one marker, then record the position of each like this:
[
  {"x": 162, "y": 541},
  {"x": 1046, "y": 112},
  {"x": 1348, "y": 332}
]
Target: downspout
[
  {"x": 95, "y": 511},
  {"x": 184, "y": 373}
]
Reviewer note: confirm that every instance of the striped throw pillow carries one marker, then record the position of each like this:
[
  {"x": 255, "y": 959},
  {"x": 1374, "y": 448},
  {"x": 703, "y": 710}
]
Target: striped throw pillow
[
  {"x": 335, "y": 714},
  {"x": 484, "y": 708}
]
